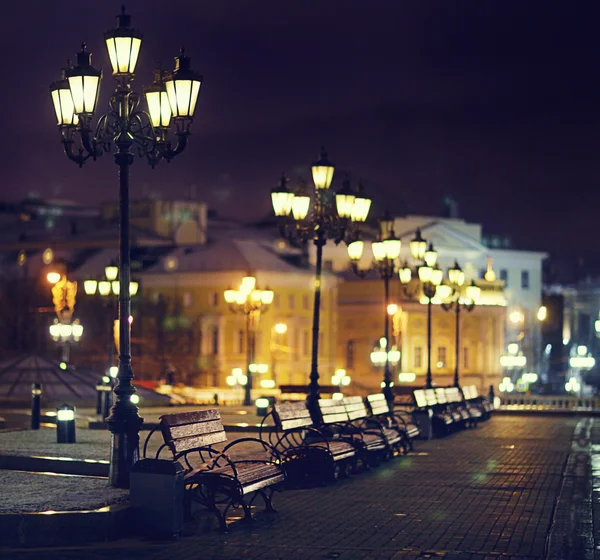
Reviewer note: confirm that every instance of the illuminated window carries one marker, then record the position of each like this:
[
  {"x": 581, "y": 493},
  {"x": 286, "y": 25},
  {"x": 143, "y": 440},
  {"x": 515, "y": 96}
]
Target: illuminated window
[
  {"x": 215, "y": 341},
  {"x": 305, "y": 342},
  {"x": 466, "y": 357},
  {"x": 525, "y": 279},
  {"x": 441, "y": 355},
  {"x": 418, "y": 357},
  {"x": 350, "y": 346}
]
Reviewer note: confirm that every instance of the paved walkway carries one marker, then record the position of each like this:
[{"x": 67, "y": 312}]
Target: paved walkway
[{"x": 479, "y": 495}]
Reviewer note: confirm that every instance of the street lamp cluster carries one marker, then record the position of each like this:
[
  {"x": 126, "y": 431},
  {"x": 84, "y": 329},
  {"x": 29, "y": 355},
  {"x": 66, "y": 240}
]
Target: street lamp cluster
[
  {"x": 250, "y": 301},
  {"x": 317, "y": 216},
  {"x": 172, "y": 98}
]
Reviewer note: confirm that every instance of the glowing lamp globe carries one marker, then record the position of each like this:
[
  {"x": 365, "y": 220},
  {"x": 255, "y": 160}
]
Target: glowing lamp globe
[
  {"x": 183, "y": 88},
  {"x": 123, "y": 45},
  {"x": 282, "y": 199},
  {"x": 63, "y": 102},
  {"x": 418, "y": 246},
  {"x": 355, "y": 250},
  {"x": 157, "y": 99},
  {"x": 84, "y": 83},
  {"x": 344, "y": 201},
  {"x": 322, "y": 172}
]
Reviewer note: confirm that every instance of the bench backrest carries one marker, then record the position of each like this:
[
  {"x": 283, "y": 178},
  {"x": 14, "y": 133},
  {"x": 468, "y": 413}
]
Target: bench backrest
[
  {"x": 453, "y": 395},
  {"x": 425, "y": 397},
  {"x": 470, "y": 392},
  {"x": 192, "y": 430},
  {"x": 378, "y": 404},
  {"x": 333, "y": 410},
  {"x": 292, "y": 415},
  {"x": 355, "y": 408},
  {"x": 440, "y": 395}
]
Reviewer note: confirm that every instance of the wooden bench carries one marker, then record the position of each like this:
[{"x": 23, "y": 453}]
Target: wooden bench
[
  {"x": 458, "y": 420},
  {"x": 472, "y": 398},
  {"x": 377, "y": 436},
  {"x": 471, "y": 415},
  {"x": 400, "y": 420},
  {"x": 306, "y": 451},
  {"x": 425, "y": 399},
  {"x": 214, "y": 478}
]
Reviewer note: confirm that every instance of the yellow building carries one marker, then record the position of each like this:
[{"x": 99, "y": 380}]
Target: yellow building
[
  {"x": 190, "y": 282},
  {"x": 361, "y": 325}
]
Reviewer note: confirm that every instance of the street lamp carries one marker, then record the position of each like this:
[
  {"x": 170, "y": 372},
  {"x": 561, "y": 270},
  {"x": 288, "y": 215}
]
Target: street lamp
[
  {"x": 109, "y": 286},
  {"x": 131, "y": 131},
  {"x": 251, "y": 302},
  {"x": 64, "y": 329},
  {"x": 452, "y": 293},
  {"x": 317, "y": 217},
  {"x": 429, "y": 277},
  {"x": 386, "y": 251},
  {"x": 278, "y": 330}
]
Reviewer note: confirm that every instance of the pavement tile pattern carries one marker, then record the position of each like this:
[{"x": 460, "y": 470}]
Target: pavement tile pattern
[{"x": 484, "y": 494}]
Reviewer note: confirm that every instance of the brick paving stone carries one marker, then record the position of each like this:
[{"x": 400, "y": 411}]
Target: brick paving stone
[{"x": 483, "y": 494}]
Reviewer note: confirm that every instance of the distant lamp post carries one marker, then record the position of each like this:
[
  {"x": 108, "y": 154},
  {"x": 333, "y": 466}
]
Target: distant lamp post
[
  {"x": 131, "y": 131},
  {"x": 251, "y": 302},
  {"x": 429, "y": 277},
  {"x": 451, "y": 295},
  {"x": 317, "y": 217},
  {"x": 64, "y": 330},
  {"x": 386, "y": 251},
  {"x": 278, "y": 330}
]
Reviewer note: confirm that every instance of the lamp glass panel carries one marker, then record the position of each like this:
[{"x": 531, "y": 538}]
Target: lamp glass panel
[
  {"x": 461, "y": 278},
  {"x": 300, "y": 206},
  {"x": 425, "y": 273},
  {"x": 183, "y": 95},
  {"x": 194, "y": 99},
  {"x": 322, "y": 176},
  {"x": 77, "y": 330},
  {"x": 282, "y": 202},
  {"x": 437, "y": 275},
  {"x": 392, "y": 248},
  {"x": 133, "y": 288},
  {"x": 116, "y": 287},
  {"x": 444, "y": 291},
  {"x": 111, "y": 272},
  {"x": 90, "y": 286},
  {"x": 159, "y": 108},
  {"x": 104, "y": 288},
  {"x": 248, "y": 284},
  {"x": 267, "y": 297},
  {"x": 473, "y": 292},
  {"x": 360, "y": 209},
  {"x": 229, "y": 296},
  {"x": 240, "y": 297},
  {"x": 378, "y": 248},
  {"x": 63, "y": 106},
  {"x": 430, "y": 257},
  {"x": 355, "y": 250},
  {"x": 405, "y": 274},
  {"x": 344, "y": 204},
  {"x": 418, "y": 248}
]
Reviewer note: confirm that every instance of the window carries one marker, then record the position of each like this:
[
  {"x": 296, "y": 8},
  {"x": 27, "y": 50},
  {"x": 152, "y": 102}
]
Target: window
[
  {"x": 214, "y": 299},
  {"x": 305, "y": 342},
  {"x": 241, "y": 338},
  {"x": 291, "y": 301},
  {"x": 306, "y": 302},
  {"x": 350, "y": 346},
  {"x": 441, "y": 355},
  {"x": 466, "y": 357},
  {"x": 504, "y": 276},
  {"x": 418, "y": 358},
  {"x": 525, "y": 279},
  {"x": 215, "y": 341}
]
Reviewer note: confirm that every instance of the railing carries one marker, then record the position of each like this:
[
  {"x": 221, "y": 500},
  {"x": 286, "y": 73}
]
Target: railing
[{"x": 559, "y": 403}]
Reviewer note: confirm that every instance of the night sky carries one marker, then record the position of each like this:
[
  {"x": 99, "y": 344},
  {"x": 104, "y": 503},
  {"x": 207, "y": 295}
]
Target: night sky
[{"x": 495, "y": 103}]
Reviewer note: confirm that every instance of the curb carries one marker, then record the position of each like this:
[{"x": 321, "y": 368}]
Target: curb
[
  {"x": 60, "y": 465},
  {"x": 57, "y": 528}
]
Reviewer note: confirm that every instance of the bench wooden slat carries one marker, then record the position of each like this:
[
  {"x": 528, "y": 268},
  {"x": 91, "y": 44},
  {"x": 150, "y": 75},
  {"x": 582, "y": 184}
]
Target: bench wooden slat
[
  {"x": 190, "y": 417},
  {"x": 333, "y": 418},
  {"x": 292, "y": 415},
  {"x": 194, "y": 442},
  {"x": 189, "y": 430},
  {"x": 440, "y": 395},
  {"x": 295, "y": 423}
]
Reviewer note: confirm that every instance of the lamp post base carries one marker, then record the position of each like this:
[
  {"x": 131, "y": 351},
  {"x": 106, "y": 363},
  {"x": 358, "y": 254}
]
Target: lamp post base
[{"x": 124, "y": 446}]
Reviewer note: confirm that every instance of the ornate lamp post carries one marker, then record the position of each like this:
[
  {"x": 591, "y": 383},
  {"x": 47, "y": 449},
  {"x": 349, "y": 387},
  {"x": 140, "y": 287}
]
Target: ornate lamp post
[
  {"x": 452, "y": 294},
  {"x": 429, "y": 278},
  {"x": 250, "y": 301},
  {"x": 317, "y": 217},
  {"x": 386, "y": 251},
  {"x": 131, "y": 131},
  {"x": 64, "y": 329}
]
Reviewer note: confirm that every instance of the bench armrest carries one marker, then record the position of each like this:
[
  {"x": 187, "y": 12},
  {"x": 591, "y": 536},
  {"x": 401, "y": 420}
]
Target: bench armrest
[
  {"x": 274, "y": 454},
  {"x": 284, "y": 439}
]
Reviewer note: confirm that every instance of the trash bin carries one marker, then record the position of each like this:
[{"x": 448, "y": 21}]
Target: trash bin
[
  {"x": 424, "y": 418},
  {"x": 262, "y": 405},
  {"x": 157, "y": 495}
]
